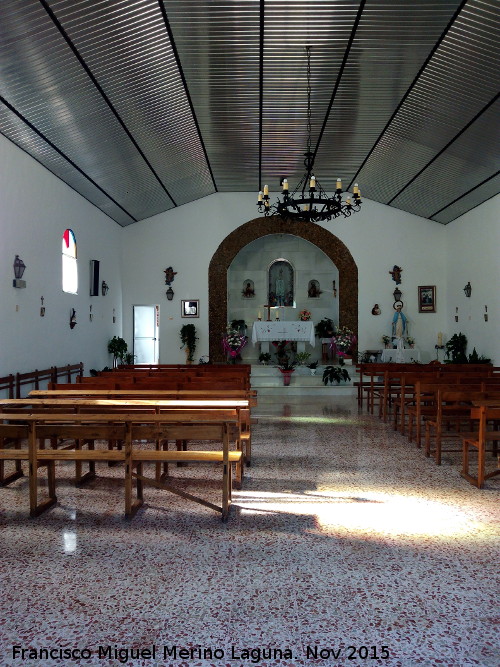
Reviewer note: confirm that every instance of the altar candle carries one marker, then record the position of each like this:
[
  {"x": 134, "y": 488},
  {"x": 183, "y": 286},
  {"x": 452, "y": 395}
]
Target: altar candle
[
  {"x": 440, "y": 339},
  {"x": 259, "y": 315}
]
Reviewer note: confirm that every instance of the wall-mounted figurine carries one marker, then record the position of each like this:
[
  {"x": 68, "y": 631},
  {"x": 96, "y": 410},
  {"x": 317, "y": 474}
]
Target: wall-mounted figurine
[
  {"x": 396, "y": 274},
  {"x": 72, "y": 319},
  {"x": 376, "y": 309},
  {"x": 248, "y": 291},
  {"x": 169, "y": 275},
  {"x": 313, "y": 289}
]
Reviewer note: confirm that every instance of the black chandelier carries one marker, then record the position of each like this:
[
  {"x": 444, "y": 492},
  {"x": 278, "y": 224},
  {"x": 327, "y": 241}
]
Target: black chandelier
[{"x": 309, "y": 202}]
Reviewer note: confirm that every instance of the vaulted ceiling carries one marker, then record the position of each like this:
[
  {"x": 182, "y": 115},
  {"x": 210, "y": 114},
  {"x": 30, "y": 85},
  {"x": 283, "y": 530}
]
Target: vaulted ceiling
[{"x": 145, "y": 105}]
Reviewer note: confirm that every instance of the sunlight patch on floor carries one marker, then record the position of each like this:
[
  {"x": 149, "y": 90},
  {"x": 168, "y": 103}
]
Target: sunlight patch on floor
[{"x": 366, "y": 513}]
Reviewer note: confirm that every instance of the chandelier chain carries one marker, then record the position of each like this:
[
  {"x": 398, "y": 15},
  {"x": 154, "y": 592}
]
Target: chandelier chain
[{"x": 309, "y": 202}]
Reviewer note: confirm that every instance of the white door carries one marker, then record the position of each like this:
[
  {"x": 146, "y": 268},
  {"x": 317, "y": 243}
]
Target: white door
[{"x": 146, "y": 343}]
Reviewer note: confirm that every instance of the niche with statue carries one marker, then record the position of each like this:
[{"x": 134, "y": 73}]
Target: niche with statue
[{"x": 280, "y": 283}]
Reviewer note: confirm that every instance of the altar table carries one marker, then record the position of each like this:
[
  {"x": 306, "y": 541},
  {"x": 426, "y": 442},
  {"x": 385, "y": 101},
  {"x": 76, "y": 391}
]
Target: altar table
[
  {"x": 408, "y": 353},
  {"x": 264, "y": 332}
]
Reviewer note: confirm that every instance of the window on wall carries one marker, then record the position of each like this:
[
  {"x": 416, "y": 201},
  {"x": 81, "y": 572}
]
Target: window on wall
[{"x": 69, "y": 267}]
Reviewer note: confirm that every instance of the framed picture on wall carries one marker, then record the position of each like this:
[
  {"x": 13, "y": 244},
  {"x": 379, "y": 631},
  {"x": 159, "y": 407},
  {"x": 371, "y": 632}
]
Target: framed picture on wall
[
  {"x": 427, "y": 299},
  {"x": 190, "y": 308}
]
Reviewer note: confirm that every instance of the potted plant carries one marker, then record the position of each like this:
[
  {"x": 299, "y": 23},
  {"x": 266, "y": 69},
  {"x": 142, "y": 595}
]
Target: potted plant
[
  {"x": 305, "y": 315},
  {"x": 118, "y": 348},
  {"x": 302, "y": 357},
  {"x": 265, "y": 358},
  {"x": 475, "y": 358},
  {"x": 313, "y": 366},
  {"x": 188, "y": 340},
  {"x": 386, "y": 340},
  {"x": 286, "y": 367},
  {"x": 455, "y": 348},
  {"x": 336, "y": 374},
  {"x": 325, "y": 328}
]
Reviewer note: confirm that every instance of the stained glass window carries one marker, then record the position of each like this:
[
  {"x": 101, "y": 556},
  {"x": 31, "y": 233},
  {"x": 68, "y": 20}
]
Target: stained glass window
[{"x": 69, "y": 267}]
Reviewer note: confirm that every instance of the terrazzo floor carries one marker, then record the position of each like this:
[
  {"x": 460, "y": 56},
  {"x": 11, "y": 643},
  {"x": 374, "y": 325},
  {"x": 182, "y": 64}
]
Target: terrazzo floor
[{"x": 345, "y": 546}]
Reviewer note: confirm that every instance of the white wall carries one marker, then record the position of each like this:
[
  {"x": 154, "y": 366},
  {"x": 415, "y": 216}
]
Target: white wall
[
  {"x": 473, "y": 247},
  {"x": 36, "y": 209},
  {"x": 378, "y": 237}
]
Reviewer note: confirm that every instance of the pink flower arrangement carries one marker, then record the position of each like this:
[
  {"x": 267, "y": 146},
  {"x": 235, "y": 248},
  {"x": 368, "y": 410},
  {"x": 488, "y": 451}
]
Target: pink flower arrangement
[
  {"x": 343, "y": 341},
  {"x": 304, "y": 315},
  {"x": 233, "y": 342}
]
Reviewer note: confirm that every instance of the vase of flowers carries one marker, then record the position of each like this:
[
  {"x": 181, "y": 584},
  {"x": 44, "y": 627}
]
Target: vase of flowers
[
  {"x": 411, "y": 341},
  {"x": 233, "y": 342},
  {"x": 305, "y": 315},
  {"x": 342, "y": 343},
  {"x": 386, "y": 340}
]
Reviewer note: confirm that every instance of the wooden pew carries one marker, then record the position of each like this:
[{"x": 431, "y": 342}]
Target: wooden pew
[
  {"x": 130, "y": 427},
  {"x": 452, "y": 421},
  {"x": 83, "y": 404},
  {"x": 485, "y": 415}
]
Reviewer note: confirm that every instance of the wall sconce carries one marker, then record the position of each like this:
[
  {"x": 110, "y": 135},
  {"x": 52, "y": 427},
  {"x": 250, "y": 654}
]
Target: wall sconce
[
  {"x": 397, "y": 294},
  {"x": 72, "y": 319},
  {"x": 91, "y": 317},
  {"x": 456, "y": 314},
  {"x": 486, "y": 313},
  {"x": 468, "y": 289},
  {"x": 104, "y": 288},
  {"x": 170, "y": 293},
  {"x": 42, "y": 307},
  {"x": 19, "y": 267}
]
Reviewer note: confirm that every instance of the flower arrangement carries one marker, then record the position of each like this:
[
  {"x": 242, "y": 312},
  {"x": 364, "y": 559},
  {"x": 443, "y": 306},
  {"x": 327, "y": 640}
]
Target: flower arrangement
[
  {"x": 343, "y": 341},
  {"x": 233, "y": 342},
  {"x": 305, "y": 315},
  {"x": 386, "y": 340},
  {"x": 410, "y": 340}
]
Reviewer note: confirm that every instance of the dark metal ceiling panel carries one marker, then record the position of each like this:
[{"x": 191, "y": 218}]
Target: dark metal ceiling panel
[
  {"x": 459, "y": 169},
  {"x": 44, "y": 80},
  {"x": 127, "y": 48},
  {"x": 141, "y": 105},
  {"x": 325, "y": 27},
  {"x": 32, "y": 143},
  {"x": 391, "y": 44},
  {"x": 463, "y": 205},
  {"x": 455, "y": 90},
  {"x": 218, "y": 46}
]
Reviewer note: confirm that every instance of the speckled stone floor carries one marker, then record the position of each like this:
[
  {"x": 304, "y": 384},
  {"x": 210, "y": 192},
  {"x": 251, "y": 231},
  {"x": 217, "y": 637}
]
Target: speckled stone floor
[{"x": 345, "y": 546}]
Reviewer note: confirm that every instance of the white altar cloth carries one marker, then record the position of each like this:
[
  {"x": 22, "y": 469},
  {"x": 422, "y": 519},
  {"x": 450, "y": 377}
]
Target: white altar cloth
[
  {"x": 268, "y": 331},
  {"x": 409, "y": 355}
]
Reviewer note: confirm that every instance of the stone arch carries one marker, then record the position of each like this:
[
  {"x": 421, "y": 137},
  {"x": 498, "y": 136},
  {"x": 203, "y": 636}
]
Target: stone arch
[{"x": 255, "y": 229}]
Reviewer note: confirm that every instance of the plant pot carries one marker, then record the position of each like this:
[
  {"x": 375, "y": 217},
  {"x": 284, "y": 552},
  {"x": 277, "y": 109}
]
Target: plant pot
[
  {"x": 286, "y": 377},
  {"x": 313, "y": 371}
]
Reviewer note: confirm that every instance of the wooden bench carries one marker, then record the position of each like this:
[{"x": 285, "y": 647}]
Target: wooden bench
[
  {"x": 77, "y": 404},
  {"x": 131, "y": 427},
  {"x": 485, "y": 415}
]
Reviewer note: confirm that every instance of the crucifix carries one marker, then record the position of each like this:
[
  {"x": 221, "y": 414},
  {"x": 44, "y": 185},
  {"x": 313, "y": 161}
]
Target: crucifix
[{"x": 268, "y": 308}]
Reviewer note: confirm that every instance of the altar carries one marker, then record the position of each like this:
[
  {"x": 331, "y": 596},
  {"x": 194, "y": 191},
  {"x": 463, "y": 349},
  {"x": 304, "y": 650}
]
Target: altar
[
  {"x": 410, "y": 355},
  {"x": 265, "y": 332}
]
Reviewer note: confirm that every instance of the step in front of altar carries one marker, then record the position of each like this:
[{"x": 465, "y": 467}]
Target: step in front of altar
[{"x": 268, "y": 381}]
